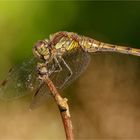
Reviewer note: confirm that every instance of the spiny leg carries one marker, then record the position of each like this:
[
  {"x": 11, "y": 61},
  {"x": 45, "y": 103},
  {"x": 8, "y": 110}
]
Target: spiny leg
[
  {"x": 59, "y": 66},
  {"x": 38, "y": 89},
  {"x": 43, "y": 69},
  {"x": 67, "y": 66}
]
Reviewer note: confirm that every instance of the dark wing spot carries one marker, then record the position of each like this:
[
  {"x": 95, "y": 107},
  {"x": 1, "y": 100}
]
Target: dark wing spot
[{"x": 4, "y": 82}]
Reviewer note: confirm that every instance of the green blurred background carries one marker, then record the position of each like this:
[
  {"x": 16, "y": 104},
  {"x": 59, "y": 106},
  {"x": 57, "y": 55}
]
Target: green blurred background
[{"x": 105, "y": 100}]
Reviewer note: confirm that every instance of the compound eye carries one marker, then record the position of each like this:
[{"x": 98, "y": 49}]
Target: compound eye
[
  {"x": 39, "y": 44},
  {"x": 38, "y": 49}
]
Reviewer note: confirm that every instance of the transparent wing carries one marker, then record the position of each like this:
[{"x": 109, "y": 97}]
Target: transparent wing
[
  {"x": 77, "y": 60},
  {"x": 41, "y": 96},
  {"x": 21, "y": 80}
]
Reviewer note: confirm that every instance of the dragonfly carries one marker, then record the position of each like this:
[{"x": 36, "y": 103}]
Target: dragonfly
[{"x": 63, "y": 58}]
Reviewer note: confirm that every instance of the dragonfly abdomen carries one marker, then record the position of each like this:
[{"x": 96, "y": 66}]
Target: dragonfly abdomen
[
  {"x": 91, "y": 45},
  {"x": 120, "y": 49}
]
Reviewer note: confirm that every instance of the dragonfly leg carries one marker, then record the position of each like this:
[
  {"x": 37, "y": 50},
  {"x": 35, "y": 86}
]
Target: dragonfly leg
[
  {"x": 59, "y": 66},
  {"x": 67, "y": 66},
  {"x": 42, "y": 69}
]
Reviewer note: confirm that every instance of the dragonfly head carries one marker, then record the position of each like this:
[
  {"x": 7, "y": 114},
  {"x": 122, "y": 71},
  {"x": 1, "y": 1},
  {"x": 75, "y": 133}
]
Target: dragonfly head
[{"x": 42, "y": 50}]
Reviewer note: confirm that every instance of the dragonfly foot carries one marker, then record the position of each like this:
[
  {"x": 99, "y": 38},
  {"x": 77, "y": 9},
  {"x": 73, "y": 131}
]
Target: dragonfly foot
[{"x": 42, "y": 69}]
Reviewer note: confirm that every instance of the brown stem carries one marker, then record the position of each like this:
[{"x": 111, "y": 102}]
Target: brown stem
[{"x": 63, "y": 107}]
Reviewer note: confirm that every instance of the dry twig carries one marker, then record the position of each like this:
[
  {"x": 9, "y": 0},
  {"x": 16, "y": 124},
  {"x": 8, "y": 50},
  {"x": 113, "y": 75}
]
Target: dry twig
[{"x": 63, "y": 107}]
